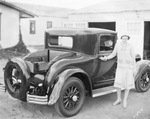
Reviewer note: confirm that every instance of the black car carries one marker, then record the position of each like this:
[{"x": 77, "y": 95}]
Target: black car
[{"x": 69, "y": 69}]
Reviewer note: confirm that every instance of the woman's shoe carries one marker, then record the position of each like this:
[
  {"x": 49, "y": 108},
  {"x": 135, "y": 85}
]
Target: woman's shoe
[
  {"x": 124, "y": 104},
  {"x": 117, "y": 102}
]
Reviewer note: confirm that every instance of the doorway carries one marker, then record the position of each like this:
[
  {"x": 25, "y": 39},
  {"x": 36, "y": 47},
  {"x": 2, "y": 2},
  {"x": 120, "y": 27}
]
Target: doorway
[
  {"x": 105, "y": 25},
  {"x": 147, "y": 40},
  {"x": 0, "y": 26}
]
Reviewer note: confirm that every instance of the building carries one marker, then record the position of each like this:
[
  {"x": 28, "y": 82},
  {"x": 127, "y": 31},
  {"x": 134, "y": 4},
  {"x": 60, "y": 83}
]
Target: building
[
  {"x": 33, "y": 29},
  {"x": 10, "y": 16},
  {"x": 130, "y": 17}
]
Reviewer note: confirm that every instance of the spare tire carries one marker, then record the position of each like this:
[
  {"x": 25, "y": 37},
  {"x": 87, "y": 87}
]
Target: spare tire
[{"x": 15, "y": 81}]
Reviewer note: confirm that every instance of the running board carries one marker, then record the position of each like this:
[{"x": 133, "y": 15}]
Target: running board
[{"x": 103, "y": 91}]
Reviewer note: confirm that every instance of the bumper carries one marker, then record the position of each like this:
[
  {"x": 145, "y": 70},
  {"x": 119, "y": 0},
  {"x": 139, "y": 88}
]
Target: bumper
[{"x": 43, "y": 100}]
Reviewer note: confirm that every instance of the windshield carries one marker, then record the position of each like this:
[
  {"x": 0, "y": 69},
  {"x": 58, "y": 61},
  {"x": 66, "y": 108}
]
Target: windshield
[{"x": 61, "y": 41}]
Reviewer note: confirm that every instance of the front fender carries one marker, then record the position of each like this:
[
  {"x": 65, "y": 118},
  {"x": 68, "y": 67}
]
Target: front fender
[
  {"x": 140, "y": 67},
  {"x": 61, "y": 79}
]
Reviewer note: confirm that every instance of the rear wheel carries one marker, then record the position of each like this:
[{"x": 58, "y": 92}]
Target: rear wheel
[
  {"x": 15, "y": 81},
  {"x": 142, "y": 84},
  {"x": 71, "y": 98}
]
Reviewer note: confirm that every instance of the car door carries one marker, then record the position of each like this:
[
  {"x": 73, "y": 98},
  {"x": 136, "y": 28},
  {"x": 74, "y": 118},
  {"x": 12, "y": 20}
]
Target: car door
[{"x": 105, "y": 69}]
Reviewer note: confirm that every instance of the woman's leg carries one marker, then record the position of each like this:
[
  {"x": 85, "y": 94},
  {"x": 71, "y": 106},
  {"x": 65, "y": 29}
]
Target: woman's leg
[
  {"x": 118, "y": 101},
  {"x": 125, "y": 97}
]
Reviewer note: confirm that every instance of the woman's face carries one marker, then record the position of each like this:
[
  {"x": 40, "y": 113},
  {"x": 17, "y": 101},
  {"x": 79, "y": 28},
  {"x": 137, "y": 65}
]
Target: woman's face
[{"x": 125, "y": 38}]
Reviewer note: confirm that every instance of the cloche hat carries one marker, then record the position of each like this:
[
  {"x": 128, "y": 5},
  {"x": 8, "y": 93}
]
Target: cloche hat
[{"x": 125, "y": 36}]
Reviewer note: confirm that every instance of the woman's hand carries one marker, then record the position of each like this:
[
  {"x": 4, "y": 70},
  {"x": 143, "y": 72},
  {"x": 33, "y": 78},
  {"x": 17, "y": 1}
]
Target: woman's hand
[{"x": 104, "y": 58}]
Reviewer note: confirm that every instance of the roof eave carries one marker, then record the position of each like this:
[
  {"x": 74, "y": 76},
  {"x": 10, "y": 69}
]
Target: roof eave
[
  {"x": 22, "y": 11},
  {"x": 76, "y": 13},
  {"x": 27, "y": 15}
]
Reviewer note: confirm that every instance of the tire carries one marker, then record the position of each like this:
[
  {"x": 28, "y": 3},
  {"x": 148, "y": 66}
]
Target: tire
[
  {"x": 15, "y": 81},
  {"x": 142, "y": 84},
  {"x": 71, "y": 98}
]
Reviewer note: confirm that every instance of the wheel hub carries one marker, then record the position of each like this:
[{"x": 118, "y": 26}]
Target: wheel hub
[
  {"x": 74, "y": 98},
  {"x": 71, "y": 97},
  {"x": 147, "y": 79},
  {"x": 14, "y": 80}
]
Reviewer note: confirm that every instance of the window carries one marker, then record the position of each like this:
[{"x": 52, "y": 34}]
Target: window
[
  {"x": 32, "y": 27},
  {"x": 134, "y": 28},
  {"x": 107, "y": 43},
  {"x": 75, "y": 24},
  {"x": 80, "y": 25},
  {"x": 68, "y": 25},
  {"x": 49, "y": 24},
  {"x": 61, "y": 41}
]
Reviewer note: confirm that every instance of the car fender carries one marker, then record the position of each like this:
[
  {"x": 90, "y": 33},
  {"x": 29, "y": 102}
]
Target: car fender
[
  {"x": 22, "y": 65},
  {"x": 61, "y": 79},
  {"x": 140, "y": 67}
]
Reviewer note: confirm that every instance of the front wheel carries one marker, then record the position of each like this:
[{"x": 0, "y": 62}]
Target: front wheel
[
  {"x": 142, "y": 84},
  {"x": 71, "y": 98}
]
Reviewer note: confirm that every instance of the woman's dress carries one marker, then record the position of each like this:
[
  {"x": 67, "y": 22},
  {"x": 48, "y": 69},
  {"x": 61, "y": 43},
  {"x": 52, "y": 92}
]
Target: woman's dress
[{"x": 124, "y": 78}]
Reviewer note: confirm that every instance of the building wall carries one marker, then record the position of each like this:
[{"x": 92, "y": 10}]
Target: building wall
[
  {"x": 9, "y": 26},
  {"x": 131, "y": 23},
  {"x": 40, "y": 27}
]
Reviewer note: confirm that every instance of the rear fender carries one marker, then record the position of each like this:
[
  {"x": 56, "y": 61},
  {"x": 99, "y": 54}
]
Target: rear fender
[
  {"x": 61, "y": 79},
  {"x": 140, "y": 67},
  {"x": 22, "y": 65}
]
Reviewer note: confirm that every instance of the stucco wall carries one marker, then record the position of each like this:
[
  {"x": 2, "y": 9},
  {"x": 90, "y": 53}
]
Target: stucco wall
[
  {"x": 131, "y": 23},
  {"x": 9, "y": 26},
  {"x": 41, "y": 26}
]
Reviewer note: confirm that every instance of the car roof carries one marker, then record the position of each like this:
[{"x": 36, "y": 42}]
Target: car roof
[{"x": 78, "y": 31}]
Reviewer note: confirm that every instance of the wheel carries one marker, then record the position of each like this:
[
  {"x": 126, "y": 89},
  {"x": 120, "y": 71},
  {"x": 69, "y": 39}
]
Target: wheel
[
  {"x": 71, "y": 98},
  {"x": 15, "y": 81},
  {"x": 142, "y": 84}
]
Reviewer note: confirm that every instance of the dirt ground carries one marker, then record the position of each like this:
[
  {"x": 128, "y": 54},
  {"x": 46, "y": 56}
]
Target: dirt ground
[{"x": 93, "y": 108}]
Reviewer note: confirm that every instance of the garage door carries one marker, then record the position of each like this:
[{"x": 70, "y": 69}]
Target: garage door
[
  {"x": 147, "y": 39},
  {"x": 105, "y": 25},
  {"x": 0, "y": 26}
]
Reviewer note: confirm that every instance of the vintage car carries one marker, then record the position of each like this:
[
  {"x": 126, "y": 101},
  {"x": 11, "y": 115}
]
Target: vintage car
[{"x": 69, "y": 69}]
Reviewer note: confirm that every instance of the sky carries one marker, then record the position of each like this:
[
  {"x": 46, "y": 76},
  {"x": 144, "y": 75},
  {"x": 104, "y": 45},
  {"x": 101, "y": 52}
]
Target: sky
[{"x": 74, "y": 4}]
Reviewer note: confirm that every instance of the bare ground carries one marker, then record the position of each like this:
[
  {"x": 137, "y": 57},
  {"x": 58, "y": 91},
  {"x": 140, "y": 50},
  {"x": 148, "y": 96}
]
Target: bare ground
[{"x": 93, "y": 108}]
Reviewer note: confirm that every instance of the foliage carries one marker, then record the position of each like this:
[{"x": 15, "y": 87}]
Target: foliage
[{"x": 18, "y": 50}]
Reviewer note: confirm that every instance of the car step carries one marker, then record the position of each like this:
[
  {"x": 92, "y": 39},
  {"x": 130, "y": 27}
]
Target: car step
[{"x": 103, "y": 91}]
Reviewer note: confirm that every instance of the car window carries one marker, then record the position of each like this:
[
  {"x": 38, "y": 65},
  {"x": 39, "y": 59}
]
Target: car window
[
  {"x": 61, "y": 41},
  {"x": 107, "y": 43}
]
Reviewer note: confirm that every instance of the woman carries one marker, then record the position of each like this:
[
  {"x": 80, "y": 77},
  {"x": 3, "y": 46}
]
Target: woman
[{"x": 125, "y": 68}]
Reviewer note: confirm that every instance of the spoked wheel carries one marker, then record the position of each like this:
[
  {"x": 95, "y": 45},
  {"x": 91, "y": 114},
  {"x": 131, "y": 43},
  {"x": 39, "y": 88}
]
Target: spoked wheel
[
  {"x": 71, "y": 97},
  {"x": 142, "y": 84},
  {"x": 15, "y": 81}
]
